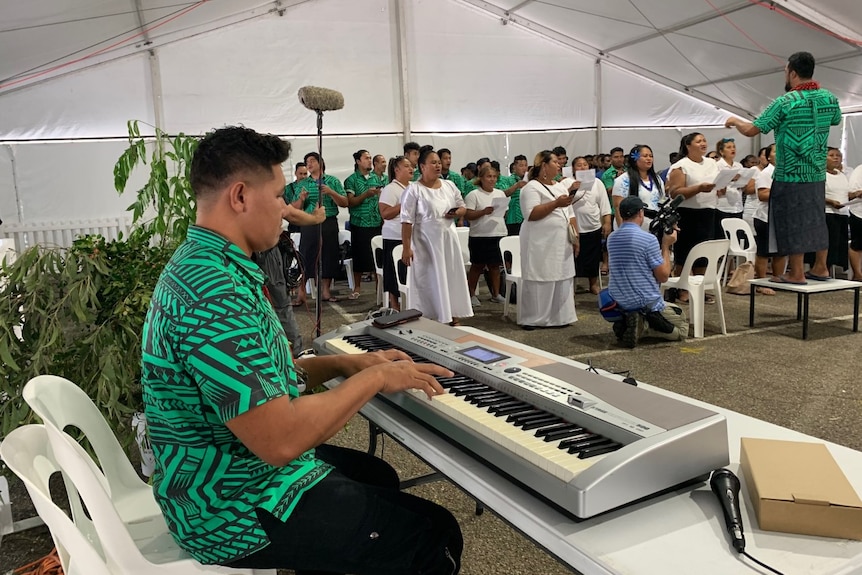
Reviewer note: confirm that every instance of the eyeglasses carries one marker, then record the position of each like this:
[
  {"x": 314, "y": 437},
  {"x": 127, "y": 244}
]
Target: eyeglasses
[{"x": 726, "y": 140}]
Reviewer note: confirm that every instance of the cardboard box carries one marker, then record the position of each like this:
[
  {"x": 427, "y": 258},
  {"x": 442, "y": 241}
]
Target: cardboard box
[{"x": 798, "y": 487}]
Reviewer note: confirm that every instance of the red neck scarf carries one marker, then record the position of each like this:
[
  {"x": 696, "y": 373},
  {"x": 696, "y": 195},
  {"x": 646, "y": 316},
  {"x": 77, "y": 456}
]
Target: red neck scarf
[{"x": 812, "y": 85}]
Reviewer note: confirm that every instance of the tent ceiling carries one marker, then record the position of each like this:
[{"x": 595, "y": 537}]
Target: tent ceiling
[
  {"x": 702, "y": 46},
  {"x": 729, "y": 53}
]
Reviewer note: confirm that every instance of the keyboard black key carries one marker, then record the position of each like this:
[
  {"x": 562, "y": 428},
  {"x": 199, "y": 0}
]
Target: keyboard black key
[
  {"x": 598, "y": 450},
  {"x": 508, "y": 407},
  {"x": 494, "y": 401},
  {"x": 459, "y": 390},
  {"x": 582, "y": 436},
  {"x": 557, "y": 427},
  {"x": 578, "y": 447},
  {"x": 563, "y": 434},
  {"x": 540, "y": 423},
  {"x": 514, "y": 418}
]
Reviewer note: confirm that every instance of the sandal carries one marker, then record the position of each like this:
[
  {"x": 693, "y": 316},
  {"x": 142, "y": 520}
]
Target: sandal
[
  {"x": 765, "y": 291},
  {"x": 354, "y": 295},
  {"x": 708, "y": 299},
  {"x": 331, "y": 299},
  {"x": 297, "y": 303}
]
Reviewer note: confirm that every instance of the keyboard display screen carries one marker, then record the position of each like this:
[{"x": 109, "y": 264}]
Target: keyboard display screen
[{"x": 482, "y": 354}]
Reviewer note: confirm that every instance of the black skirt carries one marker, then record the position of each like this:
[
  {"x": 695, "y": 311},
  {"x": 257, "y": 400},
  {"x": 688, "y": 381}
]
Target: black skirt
[
  {"x": 837, "y": 226},
  {"x": 485, "y": 250},
  {"x": 309, "y": 247},
  {"x": 590, "y": 255},
  {"x": 360, "y": 248},
  {"x": 390, "y": 282},
  {"x": 696, "y": 225}
]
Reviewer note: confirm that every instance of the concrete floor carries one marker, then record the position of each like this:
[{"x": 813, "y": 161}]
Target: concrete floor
[{"x": 767, "y": 372}]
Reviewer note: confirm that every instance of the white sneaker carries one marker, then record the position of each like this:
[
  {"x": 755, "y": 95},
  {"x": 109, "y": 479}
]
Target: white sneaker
[
  {"x": 475, "y": 301},
  {"x": 498, "y": 299}
]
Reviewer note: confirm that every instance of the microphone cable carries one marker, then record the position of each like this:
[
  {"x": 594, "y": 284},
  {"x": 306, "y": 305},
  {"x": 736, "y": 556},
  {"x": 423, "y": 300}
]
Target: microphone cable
[{"x": 761, "y": 563}]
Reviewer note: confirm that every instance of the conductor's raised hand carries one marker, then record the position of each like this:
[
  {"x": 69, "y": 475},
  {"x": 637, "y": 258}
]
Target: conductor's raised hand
[{"x": 402, "y": 375}]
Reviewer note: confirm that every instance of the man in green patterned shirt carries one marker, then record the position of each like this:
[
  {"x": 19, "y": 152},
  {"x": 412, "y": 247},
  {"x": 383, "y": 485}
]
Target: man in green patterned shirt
[
  {"x": 242, "y": 475},
  {"x": 801, "y": 119},
  {"x": 446, "y": 173},
  {"x": 378, "y": 171},
  {"x": 363, "y": 191},
  {"x": 513, "y": 184}
]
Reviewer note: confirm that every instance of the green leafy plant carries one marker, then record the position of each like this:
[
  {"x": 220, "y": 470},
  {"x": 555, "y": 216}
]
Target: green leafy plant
[{"x": 79, "y": 312}]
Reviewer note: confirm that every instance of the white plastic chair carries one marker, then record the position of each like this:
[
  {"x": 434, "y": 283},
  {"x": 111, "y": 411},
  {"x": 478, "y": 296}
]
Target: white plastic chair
[
  {"x": 127, "y": 549},
  {"x": 344, "y": 236},
  {"x": 60, "y": 404},
  {"x": 403, "y": 282},
  {"x": 715, "y": 251},
  {"x": 732, "y": 227},
  {"x": 512, "y": 245},
  {"x": 464, "y": 241},
  {"x": 26, "y": 452},
  {"x": 377, "y": 252}
]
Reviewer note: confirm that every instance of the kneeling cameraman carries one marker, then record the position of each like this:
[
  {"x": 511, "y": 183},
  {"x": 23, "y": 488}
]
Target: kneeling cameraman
[{"x": 638, "y": 266}]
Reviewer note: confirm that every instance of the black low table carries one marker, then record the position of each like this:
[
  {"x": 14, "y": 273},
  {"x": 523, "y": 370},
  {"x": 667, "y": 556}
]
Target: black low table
[{"x": 802, "y": 293}]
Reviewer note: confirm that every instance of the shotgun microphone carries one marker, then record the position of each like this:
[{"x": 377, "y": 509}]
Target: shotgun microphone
[
  {"x": 725, "y": 485},
  {"x": 320, "y": 99}
]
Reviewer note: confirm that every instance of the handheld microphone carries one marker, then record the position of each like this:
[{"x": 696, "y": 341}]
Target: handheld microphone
[
  {"x": 320, "y": 99},
  {"x": 725, "y": 485}
]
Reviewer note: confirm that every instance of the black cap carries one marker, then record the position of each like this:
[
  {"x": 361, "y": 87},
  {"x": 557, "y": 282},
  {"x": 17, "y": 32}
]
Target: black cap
[{"x": 630, "y": 206}]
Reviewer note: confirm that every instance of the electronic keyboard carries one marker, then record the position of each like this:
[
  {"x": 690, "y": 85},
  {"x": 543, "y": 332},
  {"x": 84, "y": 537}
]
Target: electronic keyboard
[{"x": 586, "y": 442}]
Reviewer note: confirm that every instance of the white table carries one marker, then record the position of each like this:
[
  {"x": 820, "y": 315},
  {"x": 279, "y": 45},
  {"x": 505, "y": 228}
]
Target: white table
[
  {"x": 802, "y": 293},
  {"x": 682, "y": 532}
]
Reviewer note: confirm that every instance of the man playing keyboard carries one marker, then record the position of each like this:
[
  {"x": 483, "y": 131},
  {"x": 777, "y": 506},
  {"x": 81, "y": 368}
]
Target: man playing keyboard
[{"x": 243, "y": 476}]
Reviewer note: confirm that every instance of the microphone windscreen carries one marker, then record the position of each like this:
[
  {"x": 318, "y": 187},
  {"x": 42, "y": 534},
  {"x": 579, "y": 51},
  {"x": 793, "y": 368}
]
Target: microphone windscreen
[{"x": 320, "y": 99}]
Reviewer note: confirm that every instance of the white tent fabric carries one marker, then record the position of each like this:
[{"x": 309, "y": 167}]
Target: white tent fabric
[{"x": 484, "y": 78}]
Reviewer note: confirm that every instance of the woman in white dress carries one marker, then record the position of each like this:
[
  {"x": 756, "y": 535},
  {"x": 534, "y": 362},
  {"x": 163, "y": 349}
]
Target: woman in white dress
[
  {"x": 429, "y": 208},
  {"x": 547, "y": 262},
  {"x": 400, "y": 173}
]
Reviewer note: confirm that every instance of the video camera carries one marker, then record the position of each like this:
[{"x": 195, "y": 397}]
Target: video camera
[{"x": 665, "y": 218}]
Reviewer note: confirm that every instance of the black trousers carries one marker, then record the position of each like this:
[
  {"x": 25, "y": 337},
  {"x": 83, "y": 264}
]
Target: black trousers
[{"x": 357, "y": 521}]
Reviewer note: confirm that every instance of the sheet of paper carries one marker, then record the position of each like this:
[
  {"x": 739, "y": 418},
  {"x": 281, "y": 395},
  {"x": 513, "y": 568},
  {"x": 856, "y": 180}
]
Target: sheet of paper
[
  {"x": 587, "y": 178},
  {"x": 500, "y": 206},
  {"x": 852, "y": 202},
  {"x": 724, "y": 177},
  {"x": 745, "y": 175},
  {"x": 567, "y": 172}
]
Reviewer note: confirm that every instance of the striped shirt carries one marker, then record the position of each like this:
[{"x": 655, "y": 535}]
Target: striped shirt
[
  {"x": 310, "y": 184},
  {"x": 513, "y": 215},
  {"x": 213, "y": 349},
  {"x": 367, "y": 213},
  {"x": 633, "y": 254},
  {"x": 801, "y": 120}
]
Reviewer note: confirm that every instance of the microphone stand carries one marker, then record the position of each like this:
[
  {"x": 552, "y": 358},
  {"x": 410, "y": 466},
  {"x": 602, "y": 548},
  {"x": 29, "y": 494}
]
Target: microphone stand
[{"x": 318, "y": 288}]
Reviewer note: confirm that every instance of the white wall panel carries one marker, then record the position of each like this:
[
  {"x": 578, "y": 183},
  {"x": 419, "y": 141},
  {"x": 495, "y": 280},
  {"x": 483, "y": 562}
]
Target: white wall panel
[
  {"x": 250, "y": 73},
  {"x": 92, "y": 103},
  {"x": 70, "y": 181},
  {"x": 469, "y": 73},
  {"x": 852, "y": 140}
]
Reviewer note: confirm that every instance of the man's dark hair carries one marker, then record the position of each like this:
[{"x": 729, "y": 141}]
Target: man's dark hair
[
  {"x": 299, "y": 165},
  {"x": 560, "y": 151},
  {"x": 802, "y": 63},
  {"x": 411, "y": 146},
  {"x": 520, "y": 157},
  {"x": 481, "y": 161},
  {"x": 356, "y": 156},
  {"x": 673, "y": 157},
  {"x": 228, "y": 151},
  {"x": 317, "y": 157},
  {"x": 496, "y": 165},
  {"x": 617, "y": 149},
  {"x": 442, "y": 151}
]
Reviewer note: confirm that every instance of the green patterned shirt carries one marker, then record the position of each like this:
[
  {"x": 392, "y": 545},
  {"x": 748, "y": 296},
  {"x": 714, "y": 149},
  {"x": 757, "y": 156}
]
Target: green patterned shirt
[
  {"x": 380, "y": 181},
  {"x": 310, "y": 184},
  {"x": 513, "y": 214},
  {"x": 213, "y": 349},
  {"x": 801, "y": 120},
  {"x": 609, "y": 175},
  {"x": 366, "y": 214}
]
